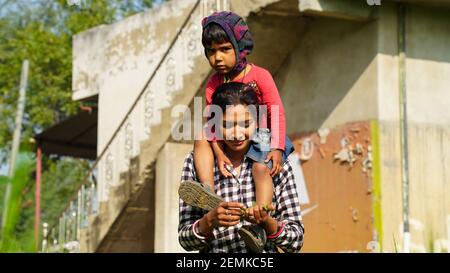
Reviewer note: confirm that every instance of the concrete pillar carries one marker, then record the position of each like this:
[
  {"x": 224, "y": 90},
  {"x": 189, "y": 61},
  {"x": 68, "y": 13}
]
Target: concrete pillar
[{"x": 168, "y": 173}]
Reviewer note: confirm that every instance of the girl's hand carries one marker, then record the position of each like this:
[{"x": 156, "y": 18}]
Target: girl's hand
[
  {"x": 259, "y": 214},
  {"x": 223, "y": 160},
  {"x": 276, "y": 157},
  {"x": 227, "y": 214}
]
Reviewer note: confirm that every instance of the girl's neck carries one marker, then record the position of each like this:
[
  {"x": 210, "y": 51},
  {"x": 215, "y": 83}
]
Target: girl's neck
[
  {"x": 235, "y": 157},
  {"x": 239, "y": 75}
]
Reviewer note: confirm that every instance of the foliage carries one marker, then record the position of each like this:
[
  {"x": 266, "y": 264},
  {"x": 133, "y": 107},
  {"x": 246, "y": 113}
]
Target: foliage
[{"x": 41, "y": 31}]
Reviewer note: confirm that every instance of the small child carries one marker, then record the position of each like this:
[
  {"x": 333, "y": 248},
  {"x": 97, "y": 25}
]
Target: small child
[{"x": 227, "y": 42}]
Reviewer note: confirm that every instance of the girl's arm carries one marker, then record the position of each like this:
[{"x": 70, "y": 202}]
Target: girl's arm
[
  {"x": 217, "y": 146},
  {"x": 222, "y": 159},
  {"x": 290, "y": 236},
  {"x": 189, "y": 215},
  {"x": 275, "y": 109}
]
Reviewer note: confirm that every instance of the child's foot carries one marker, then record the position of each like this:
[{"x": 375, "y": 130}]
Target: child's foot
[
  {"x": 199, "y": 195},
  {"x": 254, "y": 237}
]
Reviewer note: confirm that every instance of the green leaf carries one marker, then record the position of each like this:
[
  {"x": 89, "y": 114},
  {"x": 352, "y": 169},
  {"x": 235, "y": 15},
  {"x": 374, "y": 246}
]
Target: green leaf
[{"x": 4, "y": 179}]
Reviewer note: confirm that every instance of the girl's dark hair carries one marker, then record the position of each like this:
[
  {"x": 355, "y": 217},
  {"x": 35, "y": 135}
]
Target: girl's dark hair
[
  {"x": 234, "y": 93},
  {"x": 214, "y": 33}
]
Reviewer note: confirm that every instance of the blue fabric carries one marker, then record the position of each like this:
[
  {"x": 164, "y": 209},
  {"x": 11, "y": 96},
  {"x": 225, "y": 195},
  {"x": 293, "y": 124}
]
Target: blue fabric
[{"x": 260, "y": 147}]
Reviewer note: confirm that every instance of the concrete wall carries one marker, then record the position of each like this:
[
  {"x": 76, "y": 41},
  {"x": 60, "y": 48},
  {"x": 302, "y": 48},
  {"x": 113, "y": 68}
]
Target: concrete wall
[
  {"x": 428, "y": 65},
  {"x": 427, "y": 81},
  {"x": 344, "y": 71},
  {"x": 389, "y": 164},
  {"x": 134, "y": 48},
  {"x": 330, "y": 77}
]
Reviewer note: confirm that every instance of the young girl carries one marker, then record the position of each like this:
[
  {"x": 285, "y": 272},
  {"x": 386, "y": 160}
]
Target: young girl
[{"x": 227, "y": 42}]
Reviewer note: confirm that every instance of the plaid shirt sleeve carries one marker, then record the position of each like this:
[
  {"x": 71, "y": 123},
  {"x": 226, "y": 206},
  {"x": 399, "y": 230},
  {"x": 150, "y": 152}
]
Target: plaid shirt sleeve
[
  {"x": 290, "y": 239},
  {"x": 188, "y": 215}
]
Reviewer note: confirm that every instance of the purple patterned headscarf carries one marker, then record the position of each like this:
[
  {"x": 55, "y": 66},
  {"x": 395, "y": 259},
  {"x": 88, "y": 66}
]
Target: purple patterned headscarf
[{"x": 238, "y": 33}]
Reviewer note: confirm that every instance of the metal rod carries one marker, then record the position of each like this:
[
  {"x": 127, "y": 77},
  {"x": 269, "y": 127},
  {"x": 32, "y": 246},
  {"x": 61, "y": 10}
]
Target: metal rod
[
  {"x": 37, "y": 211},
  {"x": 403, "y": 124},
  {"x": 16, "y": 137}
]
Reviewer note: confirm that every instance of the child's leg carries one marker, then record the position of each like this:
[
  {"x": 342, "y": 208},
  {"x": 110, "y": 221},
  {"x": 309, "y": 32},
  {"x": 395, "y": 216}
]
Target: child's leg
[
  {"x": 263, "y": 183},
  {"x": 204, "y": 162}
]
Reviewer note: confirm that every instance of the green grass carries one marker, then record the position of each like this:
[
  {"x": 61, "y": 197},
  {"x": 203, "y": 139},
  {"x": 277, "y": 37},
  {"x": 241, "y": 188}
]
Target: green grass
[{"x": 395, "y": 244}]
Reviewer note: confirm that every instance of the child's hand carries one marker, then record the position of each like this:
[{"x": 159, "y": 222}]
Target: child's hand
[
  {"x": 258, "y": 214},
  {"x": 276, "y": 157},
  {"x": 223, "y": 160}
]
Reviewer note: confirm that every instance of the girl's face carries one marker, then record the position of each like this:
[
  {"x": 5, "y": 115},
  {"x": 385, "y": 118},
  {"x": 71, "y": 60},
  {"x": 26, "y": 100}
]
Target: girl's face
[
  {"x": 221, "y": 57},
  {"x": 238, "y": 125}
]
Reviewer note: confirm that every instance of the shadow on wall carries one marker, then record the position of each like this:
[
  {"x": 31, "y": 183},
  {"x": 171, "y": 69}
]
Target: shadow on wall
[
  {"x": 330, "y": 77},
  {"x": 326, "y": 69}
]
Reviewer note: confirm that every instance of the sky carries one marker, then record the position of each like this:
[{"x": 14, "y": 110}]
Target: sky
[{"x": 3, "y": 170}]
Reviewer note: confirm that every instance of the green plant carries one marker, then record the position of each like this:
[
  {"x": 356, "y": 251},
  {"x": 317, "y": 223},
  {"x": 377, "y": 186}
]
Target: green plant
[{"x": 19, "y": 181}]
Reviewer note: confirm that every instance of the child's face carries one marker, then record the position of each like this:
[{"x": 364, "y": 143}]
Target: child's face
[
  {"x": 238, "y": 127},
  {"x": 221, "y": 57}
]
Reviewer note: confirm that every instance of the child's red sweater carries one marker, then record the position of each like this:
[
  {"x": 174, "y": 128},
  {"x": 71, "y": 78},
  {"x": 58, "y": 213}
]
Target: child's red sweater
[{"x": 267, "y": 95}]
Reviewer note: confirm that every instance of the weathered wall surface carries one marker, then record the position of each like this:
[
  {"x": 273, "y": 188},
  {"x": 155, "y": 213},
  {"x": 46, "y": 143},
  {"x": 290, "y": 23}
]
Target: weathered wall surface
[
  {"x": 338, "y": 216},
  {"x": 427, "y": 81},
  {"x": 330, "y": 77},
  {"x": 342, "y": 71}
]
